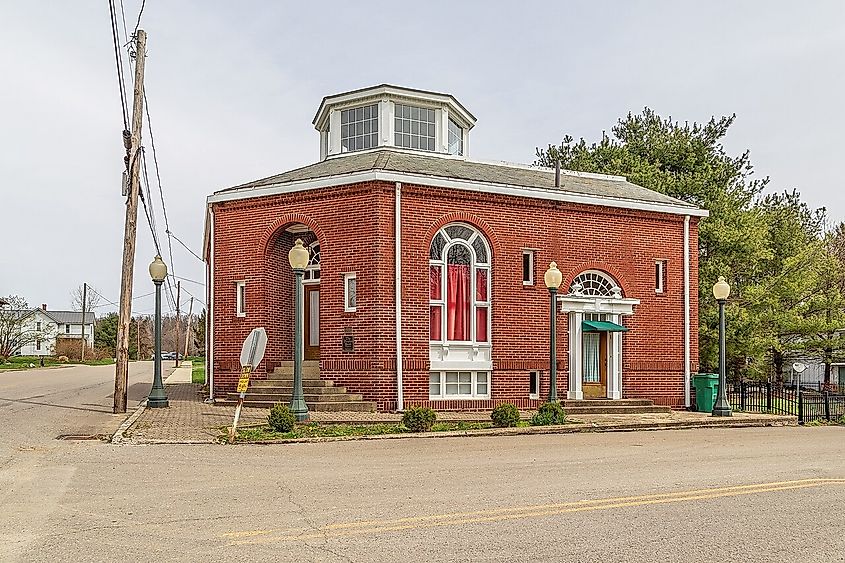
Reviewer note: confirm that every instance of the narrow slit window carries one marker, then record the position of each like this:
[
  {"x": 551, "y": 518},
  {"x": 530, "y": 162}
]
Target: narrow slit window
[
  {"x": 350, "y": 293},
  {"x": 240, "y": 298},
  {"x": 527, "y": 267},
  {"x": 534, "y": 385},
  {"x": 659, "y": 276}
]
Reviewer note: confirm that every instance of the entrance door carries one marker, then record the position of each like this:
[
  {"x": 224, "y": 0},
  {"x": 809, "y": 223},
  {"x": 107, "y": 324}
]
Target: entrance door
[
  {"x": 594, "y": 382},
  {"x": 311, "y": 320}
]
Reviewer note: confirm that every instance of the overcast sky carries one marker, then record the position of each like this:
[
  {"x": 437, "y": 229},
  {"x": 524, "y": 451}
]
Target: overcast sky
[{"x": 233, "y": 86}]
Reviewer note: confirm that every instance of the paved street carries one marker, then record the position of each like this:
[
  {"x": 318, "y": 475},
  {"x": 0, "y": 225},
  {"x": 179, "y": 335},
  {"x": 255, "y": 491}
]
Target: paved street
[{"x": 766, "y": 493}]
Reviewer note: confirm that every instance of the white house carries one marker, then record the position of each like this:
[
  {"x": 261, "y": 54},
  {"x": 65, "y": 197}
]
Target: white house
[{"x": 54, "y": 325}]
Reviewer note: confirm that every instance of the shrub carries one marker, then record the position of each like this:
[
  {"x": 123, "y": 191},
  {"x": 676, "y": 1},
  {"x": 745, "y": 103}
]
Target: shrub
[
  {"x": 280, "y": 418},
  {"x": 549, "y": 413},
  {"x": 505, "y": 415},
  {"x": 419, "y": 419}
]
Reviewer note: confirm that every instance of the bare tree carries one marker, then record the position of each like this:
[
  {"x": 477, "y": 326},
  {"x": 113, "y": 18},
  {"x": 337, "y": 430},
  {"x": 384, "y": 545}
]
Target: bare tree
[
  {"x": 16, "y": 330},
  {"x": 92, "y": 298}
]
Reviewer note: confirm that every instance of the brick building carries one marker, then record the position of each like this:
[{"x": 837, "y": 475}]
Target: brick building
[{"x": 425, "y": 284}]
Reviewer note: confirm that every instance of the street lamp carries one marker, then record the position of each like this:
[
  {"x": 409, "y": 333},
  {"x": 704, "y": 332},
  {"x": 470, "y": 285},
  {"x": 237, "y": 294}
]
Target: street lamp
[
  {"x": 722, "y": 407},
  {"x": 158, "y": 396},
  {"x": 553, "y": 277},
  {"x": 298, "y": 258}
]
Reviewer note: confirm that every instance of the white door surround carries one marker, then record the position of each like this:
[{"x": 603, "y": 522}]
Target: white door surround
[{"x": 613, "y": 308}]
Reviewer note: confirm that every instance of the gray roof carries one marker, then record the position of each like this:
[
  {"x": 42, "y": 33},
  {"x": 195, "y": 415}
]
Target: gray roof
[
  {"x": 70, "y": 317},
  {"x": 394, "y": 160}
]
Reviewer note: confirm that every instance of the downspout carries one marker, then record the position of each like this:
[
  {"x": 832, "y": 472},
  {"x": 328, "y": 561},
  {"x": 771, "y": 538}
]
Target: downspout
[
  {"x": 687, "y": 398},
  {"x": 209, "y": 331},
  {"x": 397, "y": 230}
]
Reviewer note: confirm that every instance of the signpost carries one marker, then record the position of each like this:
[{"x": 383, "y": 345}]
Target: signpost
[{"x": 252, "y": 353}]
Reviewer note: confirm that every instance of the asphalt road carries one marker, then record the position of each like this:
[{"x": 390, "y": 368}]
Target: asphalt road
[{"x": 755, "y": 494}]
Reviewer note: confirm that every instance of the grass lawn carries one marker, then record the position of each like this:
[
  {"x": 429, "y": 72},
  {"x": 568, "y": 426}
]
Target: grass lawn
[
  {"x": 23, "y": 362},
  {"x": 316, "y": 430},
  {"x": 198, "y": 371}
]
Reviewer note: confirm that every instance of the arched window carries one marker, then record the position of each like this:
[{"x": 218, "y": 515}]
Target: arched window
[
  {"x": 459, "y": 285},
  {"x": 593, "y": 283}
]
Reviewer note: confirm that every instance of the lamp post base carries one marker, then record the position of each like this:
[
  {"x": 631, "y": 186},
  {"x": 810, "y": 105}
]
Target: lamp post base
[
  {"x": 299, "y": 410},
  {"x": 157, "y": 402},
  {"x": 721, "y": 410}
]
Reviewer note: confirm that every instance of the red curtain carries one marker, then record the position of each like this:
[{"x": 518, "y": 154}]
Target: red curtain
[{"x": 458, "y": 304}]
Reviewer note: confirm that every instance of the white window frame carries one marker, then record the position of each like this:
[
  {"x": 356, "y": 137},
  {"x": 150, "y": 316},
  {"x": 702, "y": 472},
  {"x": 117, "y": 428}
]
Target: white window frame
[
  {"x": 346, "y": 279},
  {"x": 38, "y": 326},
  {"x": 534, "y": 375},
  {"x": 660, "y": 276},
  {"x": 473, "y": 382},
  {"x": 410, "y": 120},
  {"x": 353, "y": 121},
  {"x": 67, "y": 328},
  {"x": 443, "y": 263},
  {"x": 530, "y": 253},
  {"x": 240, "y": 298}
]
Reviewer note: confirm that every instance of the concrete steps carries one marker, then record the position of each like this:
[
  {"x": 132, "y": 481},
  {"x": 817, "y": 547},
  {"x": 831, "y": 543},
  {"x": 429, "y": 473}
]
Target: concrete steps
[
  {"x": 608, "y": 406},
  {"x": 320, "y": 394}
]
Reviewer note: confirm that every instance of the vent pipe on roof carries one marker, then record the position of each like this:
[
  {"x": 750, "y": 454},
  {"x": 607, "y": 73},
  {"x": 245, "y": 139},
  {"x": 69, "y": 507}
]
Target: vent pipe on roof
[{"x": 557, "y": 173}]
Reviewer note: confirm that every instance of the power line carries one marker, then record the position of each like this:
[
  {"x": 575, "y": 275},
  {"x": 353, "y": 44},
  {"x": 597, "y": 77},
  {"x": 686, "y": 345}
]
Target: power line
[
  {"x": 141, "y": 11},
  {"x": 119, "y": 63},
  {"x": 186, "y": 247},
  {"x": 187, "y": 280},
  {"x": 158, "y": 180},
  {"x": 195, "y": 297}
]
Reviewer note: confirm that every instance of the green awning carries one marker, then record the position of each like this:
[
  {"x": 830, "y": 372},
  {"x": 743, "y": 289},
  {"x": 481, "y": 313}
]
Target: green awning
[{"x": 601, "y": 326}]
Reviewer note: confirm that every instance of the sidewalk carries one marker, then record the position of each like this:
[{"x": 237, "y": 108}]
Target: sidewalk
[{"x": 190, "y": 420}]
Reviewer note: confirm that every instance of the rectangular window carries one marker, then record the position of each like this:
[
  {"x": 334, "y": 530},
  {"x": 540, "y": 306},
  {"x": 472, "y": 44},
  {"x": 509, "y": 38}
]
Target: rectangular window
[
  {"x": 240, "y": 298},
  {"x": 534, "y": 385},
  {"x": 459, "y": 385},
  {"x": 38, "y": 326},
  {"x": 67, "y": 329},
  {"x": 38, "y": 343},
  {"x": 414, "y": 127},
  {"x": 527, "y": 267},
  {"x": 350, "y": 293},
  {"x": 456, "y": 138},
  {"x": 659, "y": 276},
  {"x": 359, "y": 128}
]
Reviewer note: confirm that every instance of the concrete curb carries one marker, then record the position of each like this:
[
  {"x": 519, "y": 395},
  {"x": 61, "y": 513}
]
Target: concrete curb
[
  {"x": 118, "y": 437},
  {"x": 575, "y": 428}
]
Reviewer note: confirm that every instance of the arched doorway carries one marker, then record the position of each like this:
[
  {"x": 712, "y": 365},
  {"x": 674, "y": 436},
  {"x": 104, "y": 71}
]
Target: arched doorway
[{"x": 595, "y": 306}]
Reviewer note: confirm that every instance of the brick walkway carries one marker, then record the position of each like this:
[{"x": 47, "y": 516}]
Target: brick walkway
[{"x": 189, "y": 419}]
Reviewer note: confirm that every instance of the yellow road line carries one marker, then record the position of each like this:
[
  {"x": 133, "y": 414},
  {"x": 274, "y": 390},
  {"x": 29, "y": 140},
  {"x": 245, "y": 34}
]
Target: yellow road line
[{"x": 362, "y": 527}]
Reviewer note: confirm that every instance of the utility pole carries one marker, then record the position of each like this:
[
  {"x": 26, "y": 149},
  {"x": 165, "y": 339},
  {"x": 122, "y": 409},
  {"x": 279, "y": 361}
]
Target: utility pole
[
  {"x": 84, "y": 302},
  {"x": 188, "y": 330},
  {"x": 121, "y": 370},
  {"x": 178, "y": 288}
]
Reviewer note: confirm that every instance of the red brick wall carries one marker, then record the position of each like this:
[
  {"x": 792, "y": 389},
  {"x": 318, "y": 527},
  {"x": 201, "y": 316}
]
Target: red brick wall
[{"x": 354, "y": 225}]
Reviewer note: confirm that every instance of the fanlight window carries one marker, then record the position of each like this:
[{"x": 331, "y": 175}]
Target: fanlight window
[
  {"x": 459, "y": 285},
  {"x": 594, "y": 284},
  {"x": 312, "y": 270}
]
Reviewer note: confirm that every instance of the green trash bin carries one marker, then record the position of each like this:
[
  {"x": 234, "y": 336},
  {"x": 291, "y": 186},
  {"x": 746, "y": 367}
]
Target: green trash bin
[{"x": 706, "y": 387}]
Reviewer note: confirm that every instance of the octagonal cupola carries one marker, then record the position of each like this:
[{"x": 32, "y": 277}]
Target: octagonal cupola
[{"x": 393, "y": 117}]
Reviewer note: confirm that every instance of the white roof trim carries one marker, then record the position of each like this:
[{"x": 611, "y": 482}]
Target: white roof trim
[{"x": 467, "y": 185}]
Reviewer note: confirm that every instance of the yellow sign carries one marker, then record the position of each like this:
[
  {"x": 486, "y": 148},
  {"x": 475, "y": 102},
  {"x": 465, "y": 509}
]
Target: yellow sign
[{"x": 243, "y": 382}]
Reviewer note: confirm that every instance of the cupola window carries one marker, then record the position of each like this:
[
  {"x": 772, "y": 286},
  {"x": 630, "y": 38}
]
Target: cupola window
[
  {"x": 414, "y": 127},
  {"x": 456, "y": 138},
  {"x": 359, "y": 128}
]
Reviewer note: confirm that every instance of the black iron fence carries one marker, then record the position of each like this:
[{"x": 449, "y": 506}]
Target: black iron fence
[{"x": 807, "y": 403}]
